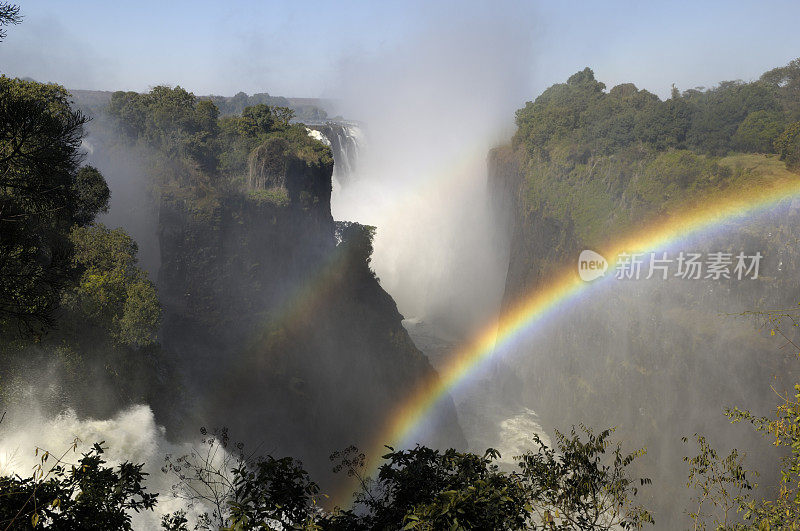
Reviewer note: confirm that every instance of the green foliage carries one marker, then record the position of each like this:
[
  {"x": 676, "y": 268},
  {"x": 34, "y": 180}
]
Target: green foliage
[
  {"x": 733, "y": 115},
  {"x": 271, "y": 491},
  {"x": 283, "y": 115},
  {"x": 112, "y": 293},
  {"x": 573, "y": 486},
  {"x": 423, "y": 488},
  {"x": 9, "y": 15},
  {"x": 236, "y": 104},
  {"x": 85, "y": 495},
  {"x": 43, "y": 193},
  {"x": 202, "y": 156},
  {"x": 757, "y": 133},
  {"x": 355, "y": 241},
  {"x": 91, "y": 193},
  {"x": 720, "y": 484},
  {"x": 176, "y": 521},
  {"x": 604, "y": 195},
  {"x": 665, "y": 124},
  {"x": 256, "y": 121},
  {"x": 721, "y": 110},
  {"x": 172, "y": 121},
  {"x": 57, "y": 271},
  {"x": 275, "y": 196},
  {"x": 786, "y": 81},
  {"x": 243, "y": 491},
  {"x": 557, "y": 112},
  {"x": 783, "y": 512},
  {"x": 788, "y": 146},
  {"x": 595, "y": 162},
  {"x": 295, "y": 141}
]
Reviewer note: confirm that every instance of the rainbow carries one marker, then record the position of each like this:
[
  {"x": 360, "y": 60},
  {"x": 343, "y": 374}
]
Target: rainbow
[{"x": 734, "y": 205}]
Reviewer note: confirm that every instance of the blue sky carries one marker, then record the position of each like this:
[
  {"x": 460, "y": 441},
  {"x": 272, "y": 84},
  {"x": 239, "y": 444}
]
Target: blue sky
[{"x": 297, "y": 48}]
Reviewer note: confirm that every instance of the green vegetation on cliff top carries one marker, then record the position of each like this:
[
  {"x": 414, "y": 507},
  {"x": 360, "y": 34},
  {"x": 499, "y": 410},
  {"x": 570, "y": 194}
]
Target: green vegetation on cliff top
[
  {"x": 197, "y": 154},
  {"x": 598, "y": 161}
]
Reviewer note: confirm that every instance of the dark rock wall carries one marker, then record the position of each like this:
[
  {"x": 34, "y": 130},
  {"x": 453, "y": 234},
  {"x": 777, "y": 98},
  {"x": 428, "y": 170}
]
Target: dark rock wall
[{"x": 284, "y": 338}]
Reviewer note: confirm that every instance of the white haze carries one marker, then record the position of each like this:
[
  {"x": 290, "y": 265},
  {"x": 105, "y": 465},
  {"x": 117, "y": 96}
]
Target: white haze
[{"x": 432, "y": 108}]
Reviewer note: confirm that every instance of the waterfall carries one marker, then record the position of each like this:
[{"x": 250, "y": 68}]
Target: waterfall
[{"x": 345, "y": 140}]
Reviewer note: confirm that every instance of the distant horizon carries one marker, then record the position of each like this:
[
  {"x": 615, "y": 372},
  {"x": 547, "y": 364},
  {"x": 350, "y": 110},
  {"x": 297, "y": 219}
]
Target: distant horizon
[{"x": 335, "y": 99}]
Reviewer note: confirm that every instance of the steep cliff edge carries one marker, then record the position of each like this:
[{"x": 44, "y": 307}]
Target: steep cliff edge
[
  {"x": 538, "y": 243},
  {"x": 287, "y": 337},
  {"x": 658, "y": 359}
]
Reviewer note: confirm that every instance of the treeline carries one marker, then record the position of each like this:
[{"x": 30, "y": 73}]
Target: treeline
[
  {"x": 598, "y": 161},
  {"x": 758, "y": 117},
  {"x": 581, "y": 484},
  {"x": 206, "y": 146},
  {"x": 236, "y": 105}
]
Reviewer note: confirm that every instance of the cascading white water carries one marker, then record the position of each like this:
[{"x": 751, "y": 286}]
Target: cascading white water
[
  {"x": 345, "y": 140},
  {"x": 130, "y": 435},
  {"x": 435, "y": 105}
]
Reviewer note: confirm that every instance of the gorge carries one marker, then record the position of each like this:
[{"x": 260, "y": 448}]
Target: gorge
[{"x": 365, "y": 310}]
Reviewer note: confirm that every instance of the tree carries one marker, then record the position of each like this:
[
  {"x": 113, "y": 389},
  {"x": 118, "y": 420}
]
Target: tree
[
  {"x": 574, "y": 486},
  {"x": 103, "y": 353},
  {"x": 423, "y": 488},
  {"x": 665, "y": 124},
  {"x": 112, "y": 293},
  {"x": 723, "y": 483},
  {"x": 9, "y": 15},
  {"x": 202, "y": 146},
  {"x": 758, "y": 131},
  {"x": 171, "y": 120},
  {"x": 720, "y": 483},
  {"x": 84, "y": 495},
  {"x": 130, "y": 111},
  {"x": 355, "y": 241},
  {"x": 786, "y": 79},
  {"x": 256, "y": 121},
  {"x": 557, "y": 112},
  {"x": 284, "y": 115},
  {"x": 43, "y": 193},
  {"x": 720, "y": 112},
  {"x": 243, "y": 491},
  {"x": 788, "y": 146},
  {"x": 269, "y": 491},
  {"x": 92, "y": 195}
]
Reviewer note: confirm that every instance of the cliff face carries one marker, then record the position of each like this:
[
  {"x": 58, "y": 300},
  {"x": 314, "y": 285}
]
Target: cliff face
[
  {"x": 288, "y": 339},
  {"x": 538, "y": 243},
  {"x": 657, "y": 359}
]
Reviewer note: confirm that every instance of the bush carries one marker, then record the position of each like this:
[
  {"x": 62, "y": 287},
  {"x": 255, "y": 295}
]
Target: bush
[{"x": 788, "y": 146}]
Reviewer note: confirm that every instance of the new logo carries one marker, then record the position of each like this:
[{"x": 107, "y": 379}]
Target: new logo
[{"x": 591, "y": 265}]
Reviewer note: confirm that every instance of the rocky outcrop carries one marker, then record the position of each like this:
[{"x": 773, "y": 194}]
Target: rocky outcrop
[{"x": 288, "y": 339}]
